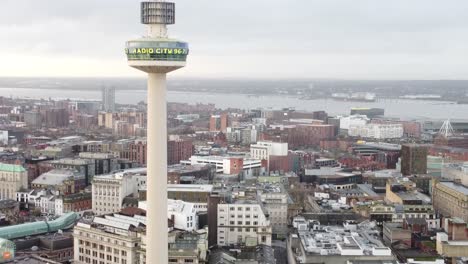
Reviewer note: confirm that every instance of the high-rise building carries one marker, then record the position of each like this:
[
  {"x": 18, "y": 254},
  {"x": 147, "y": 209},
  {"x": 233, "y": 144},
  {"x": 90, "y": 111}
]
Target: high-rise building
[
  {"x": 108, "y": 99},
  {"x": 57, "y": 117},
  {"x": 178, "y": 149},
  {"x": 219, "y": 122},
  {"x": 157, "y": 55},
  {"x": 413, "y": 159},
  {"x": 33, "y": 119}
]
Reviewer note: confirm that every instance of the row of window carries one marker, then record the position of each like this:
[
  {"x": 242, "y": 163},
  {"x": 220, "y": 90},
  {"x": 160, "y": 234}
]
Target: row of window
[
  {"x": 247, "y": 223},
  {"x": 95, "y": 261},
  {"x": 233, "y": 208},
  {"x": 173, "y": 260},
  {"x": 101, "y": 247},
  {"x": 108, "y": 240}
]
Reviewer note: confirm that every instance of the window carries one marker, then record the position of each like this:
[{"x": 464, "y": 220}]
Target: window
[
  {"x": 232, "y": 222},
  {"x": 239, "y": 222},
  {"x": 231, "y": 229},
  {"x": 172, "y": 260},
  {"x": 239, "y": 208}
]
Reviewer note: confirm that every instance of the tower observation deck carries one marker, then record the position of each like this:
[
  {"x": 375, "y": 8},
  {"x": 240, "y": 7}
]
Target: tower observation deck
[{"x": 157, "y": 54}]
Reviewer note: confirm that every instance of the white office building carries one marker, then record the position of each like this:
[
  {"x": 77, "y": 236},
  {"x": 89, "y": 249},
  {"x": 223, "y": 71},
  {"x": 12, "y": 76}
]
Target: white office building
[
  {"x": 376, "y": 131},
  {"x": 275, "y": 202},
  {"x": 228, "y": 164},
  {"x": 243, "y": 223},
  {"x": 110, "y": 190},
  {"x": 353, "y": 120},
  {"x": 265, "y": 149},
  {"x": 108, "y": 239},
  {"x": 183, "y": 214}
]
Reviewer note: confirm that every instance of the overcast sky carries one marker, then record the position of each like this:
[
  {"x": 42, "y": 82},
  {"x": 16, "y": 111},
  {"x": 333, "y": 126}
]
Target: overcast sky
[{"x": 347, "y": 39}]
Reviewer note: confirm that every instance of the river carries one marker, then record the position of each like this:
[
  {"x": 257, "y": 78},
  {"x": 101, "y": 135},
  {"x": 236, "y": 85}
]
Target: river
[{"x": 401, "y": 108}]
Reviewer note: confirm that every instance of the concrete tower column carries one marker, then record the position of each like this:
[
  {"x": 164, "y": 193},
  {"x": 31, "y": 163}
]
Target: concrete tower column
[
  {"x": 157, "y": 54},
  {"x": 156, "y": 226}
]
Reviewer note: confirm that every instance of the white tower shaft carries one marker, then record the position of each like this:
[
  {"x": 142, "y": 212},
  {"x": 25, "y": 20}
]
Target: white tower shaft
[
  {"x": 157, "y": 55},
  {"x": 156, "y": 228}
]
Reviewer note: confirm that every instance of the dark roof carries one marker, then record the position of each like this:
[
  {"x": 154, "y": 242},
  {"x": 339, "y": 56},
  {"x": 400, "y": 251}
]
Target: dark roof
[{"x": 131, "y": 211}]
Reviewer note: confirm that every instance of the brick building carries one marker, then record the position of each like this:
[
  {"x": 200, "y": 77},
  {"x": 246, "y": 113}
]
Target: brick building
[
  {"x": 413, "y": 159},
  {"x": 219, "y": 122},
  {"x": 310, "y": 134},
  {"x": 178, "y": 149}
]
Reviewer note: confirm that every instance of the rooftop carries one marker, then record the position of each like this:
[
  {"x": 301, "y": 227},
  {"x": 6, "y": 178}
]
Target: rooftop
[
  {"x": 117, "y": 175},
  {"x": 457, "y": 187},
  {"x": 349, "y": 239},
  {"x": 11, "y": 168},
  {"x": 189, "y": 188},
  {"x": 56, "y": 177}
]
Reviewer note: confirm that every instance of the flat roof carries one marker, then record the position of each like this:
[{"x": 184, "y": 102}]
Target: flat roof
[
  {"x": 457, "y": 187},
  {"x": 189, "y": 187}
]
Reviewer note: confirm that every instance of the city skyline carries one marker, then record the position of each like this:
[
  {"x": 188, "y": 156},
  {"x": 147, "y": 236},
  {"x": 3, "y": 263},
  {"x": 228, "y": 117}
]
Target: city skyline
[
  {"x": 300, "y": 132},
  {"x": 396, "y": 40}
]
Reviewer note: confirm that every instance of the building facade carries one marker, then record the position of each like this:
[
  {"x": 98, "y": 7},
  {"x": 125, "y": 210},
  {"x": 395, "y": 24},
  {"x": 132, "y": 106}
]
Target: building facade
[
  {"x": 243, "y": 224},
  {"x": 12, "y": 179},
  {"x": 109, "y": 191},
  {"x": 413, "y": 159},
  {"x": 106, "y": 241},
  {"x": 450, "y": 199}
]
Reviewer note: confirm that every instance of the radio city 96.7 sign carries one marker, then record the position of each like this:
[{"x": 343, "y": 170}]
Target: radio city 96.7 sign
[{"x": 159, "y": 51}]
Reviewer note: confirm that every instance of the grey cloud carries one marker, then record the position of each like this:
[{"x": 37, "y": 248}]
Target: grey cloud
[{"x": 417, "y": 31}]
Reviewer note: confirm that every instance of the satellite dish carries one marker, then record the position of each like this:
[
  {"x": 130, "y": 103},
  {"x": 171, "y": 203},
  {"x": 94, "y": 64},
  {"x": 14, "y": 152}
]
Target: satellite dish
[
  {"x": 60, "y": 231},
  {"x": 34, "y": 248}
]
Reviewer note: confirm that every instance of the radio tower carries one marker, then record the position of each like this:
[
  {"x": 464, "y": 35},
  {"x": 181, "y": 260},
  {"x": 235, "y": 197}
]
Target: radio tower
[{"x": 157, "y": 55}]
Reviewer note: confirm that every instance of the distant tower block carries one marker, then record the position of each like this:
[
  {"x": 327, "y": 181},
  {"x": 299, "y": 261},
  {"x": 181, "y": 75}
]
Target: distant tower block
[
  {"x": 157, "y": 54},
  {"x": 108, "y": 99}
]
